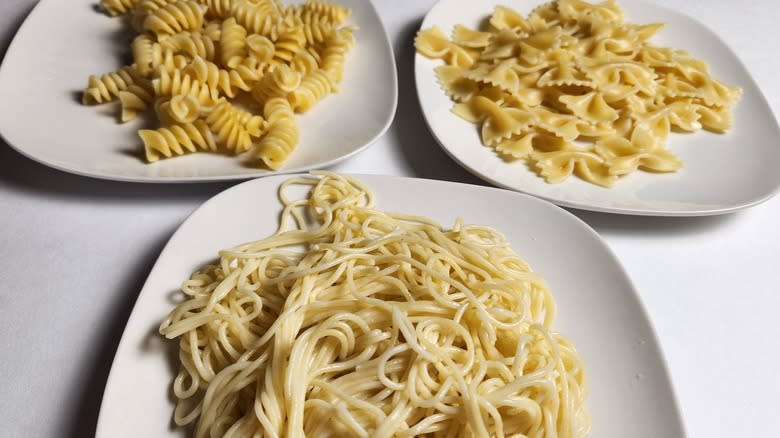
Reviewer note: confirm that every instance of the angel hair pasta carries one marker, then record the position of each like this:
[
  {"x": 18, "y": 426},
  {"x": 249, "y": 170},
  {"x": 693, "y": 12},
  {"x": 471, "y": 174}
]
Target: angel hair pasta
[
  {"x": 354, "y": 322},
  {"x": 574, "y": 71},
  {"x": 208, "y": 70}
]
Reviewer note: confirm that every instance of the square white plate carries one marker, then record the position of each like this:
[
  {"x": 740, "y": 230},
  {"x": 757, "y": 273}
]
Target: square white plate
[
  {"x": 721, "y": 173},
  {"x": 598, "y": 308},
  {"x": 62, "y": 43}
]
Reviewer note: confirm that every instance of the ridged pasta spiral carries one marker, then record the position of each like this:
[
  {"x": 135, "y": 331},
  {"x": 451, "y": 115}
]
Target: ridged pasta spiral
[
  {"x": 224, "y": 82},
  {"x": 281, "y": 136},
  {"x": 191, "y": 44},
  {"x": 134, "y": 99},
  {"x": 277, "y": 83},
  {"x": 217, "y": 9},
  {"x": 118, "y": 7},
  {"x": 172, "y": 84},
  {"x": 232, "y": 43},
  {"x": 314, "y": 87},
  {"x": 143, "y": 9},
  {"x": 316, "y": 27},
  {"x": 260, "y": 48},
  {"x": 290, "y": 41},
  {"x": 106, "y": 88},
  {"x": 336, "y": 14},
  {"x": 174, "y": 18},
  {"x": 334, "y": 53},
  {"x": 260, "y": 18},
  {"x": 305, "y": 61},
  {"x": 176, "y": 140},
  {"x": 182, "y": 108},
  {"x": 233, "y": 127},
  {"x": 150, "y": 56}
]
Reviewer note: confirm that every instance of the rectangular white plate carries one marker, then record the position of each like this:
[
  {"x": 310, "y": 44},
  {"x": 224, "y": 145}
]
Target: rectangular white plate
[
  {"x": 598, "y": 308},
  {"x": 61, "y": 43},
  {"x": 721, "y": 173}
]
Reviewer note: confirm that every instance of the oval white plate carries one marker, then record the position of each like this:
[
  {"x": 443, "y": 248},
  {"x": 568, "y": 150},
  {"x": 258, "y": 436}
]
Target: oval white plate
[
  {"x": 598, "y": 308},
  {"x": 722, "y": 173},
  {"x": 62, "y": 43}
]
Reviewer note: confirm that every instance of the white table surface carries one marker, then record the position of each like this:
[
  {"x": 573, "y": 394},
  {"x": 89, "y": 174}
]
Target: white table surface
[{"x": 74, "y": 252}]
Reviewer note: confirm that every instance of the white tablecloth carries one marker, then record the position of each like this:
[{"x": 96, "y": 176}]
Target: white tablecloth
[{"x": 75, "y": 251}]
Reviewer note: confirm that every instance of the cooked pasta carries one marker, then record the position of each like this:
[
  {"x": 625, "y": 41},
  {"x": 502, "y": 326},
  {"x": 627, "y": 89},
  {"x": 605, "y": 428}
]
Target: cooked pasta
[
  {"x": 213, "y": 64},
  {"x": 359, "y": 322},
  {"x": 574, "y": 88},
  {"x": 177, "y": 140}
]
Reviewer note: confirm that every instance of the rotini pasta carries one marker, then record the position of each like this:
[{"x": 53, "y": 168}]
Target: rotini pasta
[
  {"x": 176, "y": 140},
  {"x": 107, "y": 87},
  {"x": 576, "y": 89},
  {"x": 203, "y": 66},
  {"x": 118, "y": 7},
  {"x": 233, "y": 127},
  {"x": 174, "y": 18}
]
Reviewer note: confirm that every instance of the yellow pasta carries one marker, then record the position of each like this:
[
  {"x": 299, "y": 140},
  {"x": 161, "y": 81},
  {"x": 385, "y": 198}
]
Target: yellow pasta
[
  {"x": 205, "y": 67},
  {"x": 575, "y": 89},
  {"x": 366, "y": 323}
]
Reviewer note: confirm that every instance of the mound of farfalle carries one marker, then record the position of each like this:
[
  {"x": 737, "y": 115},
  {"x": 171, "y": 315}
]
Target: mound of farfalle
[{"x": 574, "y": 88}]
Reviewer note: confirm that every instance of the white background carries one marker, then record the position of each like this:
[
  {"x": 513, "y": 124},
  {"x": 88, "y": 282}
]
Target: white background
[{"x": 74, "y": 252}]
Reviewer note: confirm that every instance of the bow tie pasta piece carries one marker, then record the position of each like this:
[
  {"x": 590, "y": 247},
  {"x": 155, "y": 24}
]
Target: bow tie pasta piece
[
  {"x": 556, "y": 166},
  {"x": 573, "y": 71},
  {"x": 623, "y": 156},
  {"x": 433, "y": 43},
  {"x": 590, "y": 107},
  {"x": 205, "y": 66}
]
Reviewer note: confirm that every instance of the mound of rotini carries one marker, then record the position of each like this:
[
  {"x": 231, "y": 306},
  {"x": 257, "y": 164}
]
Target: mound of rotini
[{"x": 225, "y": 76}]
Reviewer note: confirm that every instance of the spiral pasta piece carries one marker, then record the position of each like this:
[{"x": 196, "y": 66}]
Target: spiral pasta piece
[
  {"x": 232, "y": 43},
  {"x": 305, "y": 61},
  {"x": 281, "y": 136},
  {"x": 314, "y": 87},
  {"x": 316, "y": 27},
  {"x": 217, "y": 9},
  {"x": 191, "y": 44},
  {"x": 179, "y": 109},
  {"x": 117, "y": 7},
  {"x": 176, "y": 140},
  {"x": 333, "y": 12},
  {"x": 260, "y": 18},
  {"x": 143, "y": 9},
  {"x": 288, "y": 43},
  {"x": 334, "y": 53},
  {"x": 260, "y": 48},
  {"x": 106, "y": 88},
  {"x": 176, "y": 83},
  {"x": 279, "y": 82},
  {"x": 233, "y": 127},
  {"x": 133, "y": 100},
  {"x": 220, "y": 81},
  {"x": 174, "y": 18}
]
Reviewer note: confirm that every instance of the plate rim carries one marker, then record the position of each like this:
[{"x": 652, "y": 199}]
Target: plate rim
[
  {"x": 626, "y": 211},
  {"x": 272, "y": 182},
  {"x": 107, "y": 176}
]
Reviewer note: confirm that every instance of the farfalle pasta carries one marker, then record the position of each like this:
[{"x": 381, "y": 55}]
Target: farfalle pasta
[
  {"x": 225, "y": 76},
  {"x": 574, "y": 88}
]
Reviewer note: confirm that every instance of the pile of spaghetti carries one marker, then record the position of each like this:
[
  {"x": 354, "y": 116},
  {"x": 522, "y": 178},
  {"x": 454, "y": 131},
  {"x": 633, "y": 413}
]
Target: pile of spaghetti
[{"x": 351, "y": 321}]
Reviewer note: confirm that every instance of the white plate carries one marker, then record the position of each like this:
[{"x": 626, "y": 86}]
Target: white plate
[
  {"x": 62, "y": 43},
  {"x": 630, "y": 393},
  {"x": 722, "y": 173}
]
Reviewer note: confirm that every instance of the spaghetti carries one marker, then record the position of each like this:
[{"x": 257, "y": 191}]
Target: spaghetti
[{"x": 351, "y": 321}]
